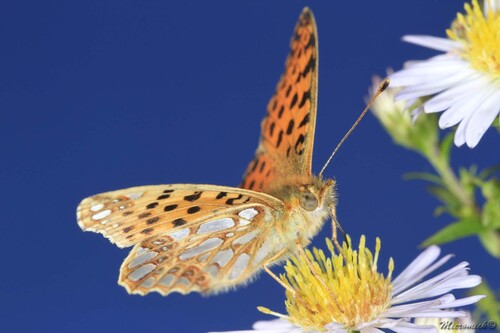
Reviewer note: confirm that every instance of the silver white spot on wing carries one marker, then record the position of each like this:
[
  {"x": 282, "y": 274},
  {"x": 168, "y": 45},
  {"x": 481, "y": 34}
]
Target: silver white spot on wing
[
  {"x": 204, "y": 257},
  {"x": 141, "y": 272},
  {"x": 249, "y": 213},
  {"x": 223, "y": 257},
  {"x": 239, "y": 266},
  {"x": 101, "y": 215},
  {"x": 180, "y": 234},
  {"x": 97, "y": 207},
  {"x": 212, "y": 270},
  {"x": 205, "y": 246},
  {"x": 184, "y": 282},
  {"x": 135, "y": 196},
  {"x": 141, "y": 250},
  {"x": 246, "y": 238},
  {"x": 167, "y": 280},
  {"x": 244, "y": 222},
  {"x": 230, "y": 234},
  {"x": 215, "y": 225},
  {"x": 148, "y": 283},
  {"x": 142, "y": 258}
]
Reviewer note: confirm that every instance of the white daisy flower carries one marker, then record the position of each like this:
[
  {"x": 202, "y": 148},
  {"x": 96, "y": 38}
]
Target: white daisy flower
[
  {"x": 464, "y": 82},
  {"x": 346, "y": 293}
]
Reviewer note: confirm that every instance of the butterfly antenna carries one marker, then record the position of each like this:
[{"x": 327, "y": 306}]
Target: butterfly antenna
[{"x": 383, "y": 86}]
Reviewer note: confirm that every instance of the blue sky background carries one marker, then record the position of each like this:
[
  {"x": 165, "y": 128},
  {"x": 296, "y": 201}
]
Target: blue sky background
[{"x": 103, "y": 95}]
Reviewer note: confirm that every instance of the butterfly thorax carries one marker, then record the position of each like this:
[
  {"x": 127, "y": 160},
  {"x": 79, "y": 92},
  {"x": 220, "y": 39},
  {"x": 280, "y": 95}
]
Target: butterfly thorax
[{"x": 309, "y": 202}]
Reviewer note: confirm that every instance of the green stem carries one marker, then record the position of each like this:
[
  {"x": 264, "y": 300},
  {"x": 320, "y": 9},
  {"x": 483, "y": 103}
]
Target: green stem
[{"x": 449, "y": 178}]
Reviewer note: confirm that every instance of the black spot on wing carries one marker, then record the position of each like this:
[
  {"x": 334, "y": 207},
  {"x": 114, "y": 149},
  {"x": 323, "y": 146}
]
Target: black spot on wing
[
  {"x": 231, "y": 201},
  {"x": 280, "y": 112},
  {"x": 152, "y": 205},
  {"x": 194, "y": 209},
  {"x": 127, "y": 229},
  {"x": 178, "y": 222},
  {"x": 221, "y": 195},
  {"x": 280, "y": 137},
  {"x": 305, "y": 97},
  {"x": 152, "y": 220},
  {"x": 304, "y": 121},
  {"x": 294, "y": 100},
  {"x": 170, "y": 208},
  {"x": 147, "y": 231},
  {"x": 193, "y": 197},
  {"x": 300, "y": 141},
  {"x": 144, "y": 215},
  {"x": 289, "y": 130},
  {"x": 262, "y": 166}
]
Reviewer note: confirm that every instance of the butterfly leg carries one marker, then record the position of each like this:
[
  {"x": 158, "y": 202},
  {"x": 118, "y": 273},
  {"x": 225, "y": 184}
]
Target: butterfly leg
[
  {"x": 336, "y": 224},
  {"x": 268, "y": 271}
]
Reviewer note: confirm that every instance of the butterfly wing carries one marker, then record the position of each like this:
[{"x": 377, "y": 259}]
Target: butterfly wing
[
  {"x": 214, "y": 256},
  {"x": 187, "y": 237},
  {"x": 127, "y": 217},
  {"x": 287, "y": 131}
]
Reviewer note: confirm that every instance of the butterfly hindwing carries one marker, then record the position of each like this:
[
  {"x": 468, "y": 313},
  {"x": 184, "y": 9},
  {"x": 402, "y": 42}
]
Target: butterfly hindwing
[
  {"x": 287, "y": 131},
  {"x": 130, "y": 216},
  {"x": 218, "y": 254}
]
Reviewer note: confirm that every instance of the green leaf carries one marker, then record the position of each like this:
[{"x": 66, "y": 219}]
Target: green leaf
[
  {"x": 491, "y": 242},
  {"x": 448, "y": 198},
  {"x": 490, "y": 171},
  {"x": 454, "y": 231},
  {"x": 440, "y": 210},
  {"x": 432, "y": 178}
]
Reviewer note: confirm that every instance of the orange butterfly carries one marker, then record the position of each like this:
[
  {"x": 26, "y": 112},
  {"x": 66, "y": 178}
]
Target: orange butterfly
[{"x": 208, "y": 238}]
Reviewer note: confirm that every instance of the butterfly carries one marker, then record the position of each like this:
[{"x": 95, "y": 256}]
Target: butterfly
[{"x": 209, "y": 239}]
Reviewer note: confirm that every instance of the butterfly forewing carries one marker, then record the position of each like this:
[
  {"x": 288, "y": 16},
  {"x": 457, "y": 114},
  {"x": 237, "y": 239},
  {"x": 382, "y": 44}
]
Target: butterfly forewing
[
  {"x": 287, "y": 131},
  {"x": 220, "y": 253},
  {"x": 130, "y": 216}
]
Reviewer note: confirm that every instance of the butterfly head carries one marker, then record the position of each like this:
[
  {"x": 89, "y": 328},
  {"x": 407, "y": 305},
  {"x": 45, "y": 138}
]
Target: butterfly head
[{"x": 318, "y": 194}]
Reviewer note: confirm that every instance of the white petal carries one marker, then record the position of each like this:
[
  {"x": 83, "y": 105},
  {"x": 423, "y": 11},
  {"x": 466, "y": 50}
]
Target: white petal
[
  {"x": 427, "y": 71},
  {"x": 433, "y": 85},
  {"x": 449, "y": 97},
  {"x": 437, "y": 314},
  {"x": 433, "y": 284},
  {"x": 436, "y": 43},
  {"x": 272, "y": 324},
  {"x": 419, "y": 276},
  {"x": 463, "y": 301},
  {"x": 460, "y": 111},
  {"x": 482, "y": 119},
  {"x": 371, "y": 330},
  {"x": 405, "y": 327},
  {"x": 420, "y": 263}
]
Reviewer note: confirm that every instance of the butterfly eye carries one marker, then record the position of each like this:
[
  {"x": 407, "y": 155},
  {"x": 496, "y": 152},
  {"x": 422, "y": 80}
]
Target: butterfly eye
[{"x": 308, "y": 201}]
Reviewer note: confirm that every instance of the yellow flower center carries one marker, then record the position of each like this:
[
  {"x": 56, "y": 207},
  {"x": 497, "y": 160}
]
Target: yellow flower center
[
  {"x": 480, "y": 36},
  {"x": 345, "y": 290}
]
